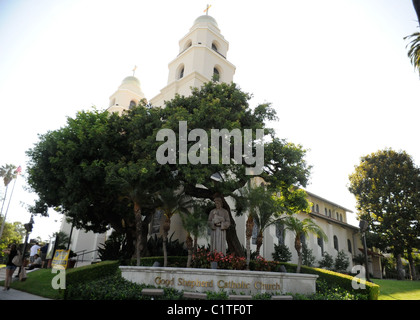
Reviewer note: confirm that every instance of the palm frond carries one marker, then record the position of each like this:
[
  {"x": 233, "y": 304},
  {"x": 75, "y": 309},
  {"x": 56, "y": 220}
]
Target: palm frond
[{"x": 414, "y": 50}]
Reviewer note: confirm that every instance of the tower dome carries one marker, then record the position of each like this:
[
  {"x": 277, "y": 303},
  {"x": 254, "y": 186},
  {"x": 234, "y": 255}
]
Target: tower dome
[
  {"x": 128, "y": 95},
  {"x": 206, "y": 19},
  {"x": 131, "y": 79}
]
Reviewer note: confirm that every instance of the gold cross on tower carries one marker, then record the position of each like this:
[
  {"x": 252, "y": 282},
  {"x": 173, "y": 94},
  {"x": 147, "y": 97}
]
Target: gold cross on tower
[{"x": 207, "y": 9}]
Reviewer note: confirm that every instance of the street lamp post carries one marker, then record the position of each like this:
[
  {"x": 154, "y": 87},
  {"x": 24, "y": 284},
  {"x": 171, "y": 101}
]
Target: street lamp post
[{"x": 28, "y": 228}]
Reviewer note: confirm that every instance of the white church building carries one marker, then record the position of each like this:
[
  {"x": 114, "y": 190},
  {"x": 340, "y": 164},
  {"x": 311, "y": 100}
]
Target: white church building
[{"x": 203, "y": 55}]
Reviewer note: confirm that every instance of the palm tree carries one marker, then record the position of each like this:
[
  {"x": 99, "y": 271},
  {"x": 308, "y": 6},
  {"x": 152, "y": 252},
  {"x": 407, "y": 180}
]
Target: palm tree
[
  {"x": 414, "y": 51},
  {"x": 299, "y": 228},
  {"x": 172, "y": 202},
  {"x": 262, "y": 209},
  {"x": 248, "y": 200},
  {"x": 195, "y": 223},
  {"x": 8, "y": 172}
]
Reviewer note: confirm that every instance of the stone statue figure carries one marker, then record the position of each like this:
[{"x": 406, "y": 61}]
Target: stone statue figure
[{"x": 218, "y": 222}]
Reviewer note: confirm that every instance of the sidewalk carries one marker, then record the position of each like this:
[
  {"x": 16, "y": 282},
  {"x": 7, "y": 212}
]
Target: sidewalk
[{"x": 13, "y": 294}]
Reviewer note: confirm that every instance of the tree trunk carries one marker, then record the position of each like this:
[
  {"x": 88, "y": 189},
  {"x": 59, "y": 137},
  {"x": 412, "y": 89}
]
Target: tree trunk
[
  {"x": 166, "y": 227},
  {"x": 400, "y": 268},
  {"x": 298, "y": 247},
  {"x": 412, "y": 266},
  {"x": 259, "y": 241},
  {"x": 232, "y": 240},
  {"x": 249, "y": 228},
  {"x": 139, "y": 245},
  {"x": 189, "y": 243}
]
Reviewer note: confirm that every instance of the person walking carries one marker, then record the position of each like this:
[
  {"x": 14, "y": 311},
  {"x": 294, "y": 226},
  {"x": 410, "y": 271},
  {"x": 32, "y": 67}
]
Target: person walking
[
  {"x": 34, "y": 251},
  {"x": 10, "y": 267}
]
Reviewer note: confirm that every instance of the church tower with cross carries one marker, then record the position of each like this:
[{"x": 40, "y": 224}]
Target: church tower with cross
[
  {"x": 202, "y": 57},
  {"x": 128, "y": 95}
]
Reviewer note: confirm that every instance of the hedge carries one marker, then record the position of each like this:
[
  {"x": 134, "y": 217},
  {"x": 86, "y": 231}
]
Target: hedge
[
  {"x": 109, "y": 268},
  {"x": 90, "y": 273},
  {"x": 344, "y": 281}
]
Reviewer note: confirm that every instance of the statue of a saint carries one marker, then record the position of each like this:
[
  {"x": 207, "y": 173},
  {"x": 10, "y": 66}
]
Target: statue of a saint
[{"x": 219, "y": 222}]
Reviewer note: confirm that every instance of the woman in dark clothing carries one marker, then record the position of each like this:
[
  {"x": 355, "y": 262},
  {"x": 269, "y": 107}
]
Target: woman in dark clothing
[{"x": 10, "y": 267}]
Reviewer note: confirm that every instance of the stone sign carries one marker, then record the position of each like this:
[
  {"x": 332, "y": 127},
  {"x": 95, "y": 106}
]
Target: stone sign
[{"x": 202, "y": 280}]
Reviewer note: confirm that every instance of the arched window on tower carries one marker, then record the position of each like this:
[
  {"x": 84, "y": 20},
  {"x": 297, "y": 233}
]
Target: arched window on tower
[
  {"x": 216, "y": 74},
  {"x": 214, "y": 47},
  {"x": 133, "y": 103},
  {"x": 181, "y": 73}
]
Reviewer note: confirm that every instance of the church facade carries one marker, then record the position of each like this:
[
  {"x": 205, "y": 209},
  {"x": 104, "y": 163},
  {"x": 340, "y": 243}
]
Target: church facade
[{"x": 202, "y": 57}]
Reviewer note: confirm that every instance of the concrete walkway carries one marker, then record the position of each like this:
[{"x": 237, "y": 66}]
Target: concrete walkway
[{"x": 13, "y": 294}]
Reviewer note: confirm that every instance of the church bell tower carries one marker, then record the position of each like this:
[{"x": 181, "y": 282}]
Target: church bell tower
[{"x": 201, "y": 58}]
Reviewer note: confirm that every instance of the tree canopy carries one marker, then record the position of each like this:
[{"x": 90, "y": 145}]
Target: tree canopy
[
  {"x": 386, "y": 185},
  {"x": 101, "y": 170}
]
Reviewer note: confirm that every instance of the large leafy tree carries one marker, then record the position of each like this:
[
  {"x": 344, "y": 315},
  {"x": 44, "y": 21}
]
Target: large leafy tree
[
  {"x": 386, "y": 185},
  {"x": 225, "y": 106},
  {"x": 101, "y": 170},
  {"x": 12, "y": 233}
]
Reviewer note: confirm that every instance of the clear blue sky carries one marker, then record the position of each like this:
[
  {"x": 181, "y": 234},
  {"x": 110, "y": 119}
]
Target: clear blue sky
[{"x": 336, "y": 71}]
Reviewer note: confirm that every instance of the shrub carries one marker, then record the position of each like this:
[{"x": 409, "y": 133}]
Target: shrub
[
  {"x": 341, "y": 262},
  {"x": 308, "y": 259},
  {"x": 344, "y": 281},
  {"x": 89, "y": 273},
  {"x": 173, "y": 247},
  {"x": 203, "y": 257},
  {"x": 327, "y": 261},
  {"x": 281, "y": 253}
]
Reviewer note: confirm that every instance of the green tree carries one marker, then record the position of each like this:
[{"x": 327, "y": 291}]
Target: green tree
[
  {"x": 172, "y": 202},
  {"x": 229, "y": 108},
  {"x": 281, "y": 253},
  {"x": 100, "y": 171},
  {"x": 195, "y": 223},
  {"x": 12, "y": 233},
  {"x": 327, "y": 261},
  {"x": 265, "y": 206},
  {"x": 8, "y": 173},
  {"x": 386, "y": 185},
  {"x": 414, "y": 45},
  {"x": 341, "y": 262},
  {"x": 299, "y": 228}
]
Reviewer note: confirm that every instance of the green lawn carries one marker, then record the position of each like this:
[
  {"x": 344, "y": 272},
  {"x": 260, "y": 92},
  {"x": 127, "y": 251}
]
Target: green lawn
[
  {"x": 38, "y": 282},
  {"x": 398, "y": 289}
]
